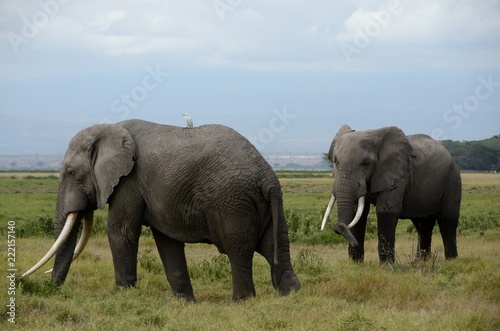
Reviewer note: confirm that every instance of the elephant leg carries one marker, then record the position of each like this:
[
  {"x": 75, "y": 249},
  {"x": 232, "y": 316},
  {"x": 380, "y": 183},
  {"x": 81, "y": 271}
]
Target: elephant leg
[
  {"x": 448, "y": 229},
  {"x": 124, "y": 244},
  {"x": 174, "y": 262},
  {"x": 236, "y": 235},
  {"x": 424, "y": 227},
  {"x": 386, "y": 226},
  {"x": 357, "y": 253},
  {"x": 241, "y": 272}
]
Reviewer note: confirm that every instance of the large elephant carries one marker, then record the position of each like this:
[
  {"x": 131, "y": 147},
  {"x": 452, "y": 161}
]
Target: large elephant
[
  {"x": 189, "y": 185},
  {"x": 405, "y": 177}
]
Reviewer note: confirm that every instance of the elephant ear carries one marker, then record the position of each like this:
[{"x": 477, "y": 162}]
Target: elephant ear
[
  {"x": 112, "y": 156},
  {"x": 393, "y": 158},
  {"x": 343, "y": 130}
]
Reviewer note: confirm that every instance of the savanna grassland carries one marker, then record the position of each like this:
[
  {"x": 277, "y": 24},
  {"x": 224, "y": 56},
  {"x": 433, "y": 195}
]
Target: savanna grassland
[{"x": 336, "y": 294}]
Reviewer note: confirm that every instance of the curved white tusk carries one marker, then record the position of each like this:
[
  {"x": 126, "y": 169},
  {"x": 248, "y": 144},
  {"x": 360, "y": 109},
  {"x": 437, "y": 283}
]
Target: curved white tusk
[
  {"x": 70, "y": 223},
  {"x": 84, "y": 237},
  {"x": 359, "y": 212},
  {"x": 327, "y": 213}
]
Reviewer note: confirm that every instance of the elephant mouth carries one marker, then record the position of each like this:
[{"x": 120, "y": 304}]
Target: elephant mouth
[
  {"x": 355, "y": 220},
  {"x": 341, "y": 228},
  {"x": 63, "y": 236}
]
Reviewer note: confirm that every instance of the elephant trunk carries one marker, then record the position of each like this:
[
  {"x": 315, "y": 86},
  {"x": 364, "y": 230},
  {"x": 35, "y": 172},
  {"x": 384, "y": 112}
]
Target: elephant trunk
[
  {"x": 345, "y": 216},
  {"x": 345, "y": 212},
  {"x": 64, "y": 255},
  {"x": 342, "y": 229}
]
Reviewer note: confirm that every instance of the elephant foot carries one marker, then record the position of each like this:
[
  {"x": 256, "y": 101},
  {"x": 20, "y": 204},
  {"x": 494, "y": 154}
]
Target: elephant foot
[
  {"x": 356, "y": 253},
  {"x": 121, "y": 287},
  {"x": 185, "y": 296},
  {"x": 124, "y": 285},
  {"x": 386, "y": 254},
  {"x": 422, "y": 255},
  {"x": 241, "y": 297},
  {"x": 289, "y": 283},
  {"x": 386, "y": 258},
  {"x": 284, "y": 291},
  {"x": 450, "y": 253}
]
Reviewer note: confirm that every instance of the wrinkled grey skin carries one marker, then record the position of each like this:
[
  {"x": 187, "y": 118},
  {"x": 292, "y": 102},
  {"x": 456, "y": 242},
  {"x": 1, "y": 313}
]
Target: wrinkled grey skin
[
  {"x": 405, "y": 177},
  {"x": 206, "y": 184}
]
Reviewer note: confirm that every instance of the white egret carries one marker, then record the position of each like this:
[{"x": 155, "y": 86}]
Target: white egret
[{"x": 189, "y": 120}]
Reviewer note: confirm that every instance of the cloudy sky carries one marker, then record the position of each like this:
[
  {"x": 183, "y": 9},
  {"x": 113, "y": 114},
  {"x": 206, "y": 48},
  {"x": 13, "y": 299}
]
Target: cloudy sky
[{"x": 285, "y": 74}]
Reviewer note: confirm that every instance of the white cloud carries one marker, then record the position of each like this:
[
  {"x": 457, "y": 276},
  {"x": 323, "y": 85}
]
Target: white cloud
[
  {"x": 421, "y": 35},
  {"x": 278, "y": 35},
  {"x": 104, "y": 21},
  {"x": 426, "y": 22}
]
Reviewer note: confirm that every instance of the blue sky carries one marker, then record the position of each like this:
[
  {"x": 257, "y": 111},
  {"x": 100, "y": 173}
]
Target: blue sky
[{"x": 285, "y": 74}]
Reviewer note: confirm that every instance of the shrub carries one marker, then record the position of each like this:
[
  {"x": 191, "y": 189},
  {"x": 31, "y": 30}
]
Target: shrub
[
  {"x": 44, "y": 288},
  {"x": 149, "y": 262},
  {"x": 479, "y": 222},
  {"x": 99, "y": 226},
  {"x": 308, "y": 262},
  {"x": 39, "y": 227},
  {"x": 217, "y": 268},
  {"x": 305, "y": 228}
]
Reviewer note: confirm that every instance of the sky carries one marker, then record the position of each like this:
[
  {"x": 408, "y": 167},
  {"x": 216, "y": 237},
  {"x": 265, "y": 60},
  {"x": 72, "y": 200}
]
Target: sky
[{"x": 285, "y": 74}]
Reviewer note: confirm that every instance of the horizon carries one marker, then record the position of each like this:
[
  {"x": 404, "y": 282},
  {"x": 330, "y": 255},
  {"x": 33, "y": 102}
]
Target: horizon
[{"x": 265, "y": 153}]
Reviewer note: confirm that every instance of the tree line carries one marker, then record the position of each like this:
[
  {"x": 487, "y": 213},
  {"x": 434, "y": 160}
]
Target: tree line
[{"x": 480, "y": 155}]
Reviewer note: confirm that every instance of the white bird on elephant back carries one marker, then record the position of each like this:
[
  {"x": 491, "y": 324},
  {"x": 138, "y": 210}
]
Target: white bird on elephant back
[{"x": 189, "y": 120}]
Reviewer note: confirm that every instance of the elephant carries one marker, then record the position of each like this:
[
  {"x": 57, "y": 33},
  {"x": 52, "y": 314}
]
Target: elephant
[
  {"x": 205, "y": 184},
  {"x": 405, "y": 177}
]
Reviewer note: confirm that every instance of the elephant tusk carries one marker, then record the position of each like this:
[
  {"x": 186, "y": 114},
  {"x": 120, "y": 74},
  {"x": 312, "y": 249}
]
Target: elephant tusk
[
  {"x": 84, "y": 238},
  {"x": 70, "y": 223},
  {"x": 359, "y": 212},
  {"x": 327, "y": 213}
]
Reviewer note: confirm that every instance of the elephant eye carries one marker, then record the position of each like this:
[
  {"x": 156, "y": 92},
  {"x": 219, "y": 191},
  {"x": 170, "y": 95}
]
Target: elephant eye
[
  {"x": 335, "y": 160},
  {"x": 70, "y": 172},
  {"x": 365, "y": 164}
]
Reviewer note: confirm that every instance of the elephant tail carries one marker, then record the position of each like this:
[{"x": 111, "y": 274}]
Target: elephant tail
[{"x": 276, "y": 271}]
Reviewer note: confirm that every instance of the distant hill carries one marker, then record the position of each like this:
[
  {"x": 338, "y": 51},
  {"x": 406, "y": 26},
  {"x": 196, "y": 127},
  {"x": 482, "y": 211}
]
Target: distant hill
[
  {"x": 480, "y": 155},
  {"x": 30, "y": 162}
]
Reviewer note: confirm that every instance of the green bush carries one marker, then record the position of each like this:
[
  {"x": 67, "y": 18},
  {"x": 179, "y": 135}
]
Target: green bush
[
  {"x": 99, "y": 226},
  {"x": 150, "y": 262},
  {"x": 479, "y": 222},
  {"x": 39, "y": 227},
  {"x": 217, "y": 268},
  {"x": 43, "y": 226},
  {"x": 308, "y": 262},
  {"x": 40, "y": 288},
  {"x": 305, "y": 229}
]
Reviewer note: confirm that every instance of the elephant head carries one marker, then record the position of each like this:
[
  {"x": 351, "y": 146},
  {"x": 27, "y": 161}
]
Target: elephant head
[
  {"x": 364, "y": 164},
  {"x": 95, "y": 160}
]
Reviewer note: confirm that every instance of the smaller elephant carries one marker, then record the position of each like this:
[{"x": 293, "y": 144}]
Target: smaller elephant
[{"x": 405, "y": 177}]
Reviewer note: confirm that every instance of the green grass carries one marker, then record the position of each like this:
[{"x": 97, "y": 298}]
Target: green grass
[{"x": 336, "y": 294}]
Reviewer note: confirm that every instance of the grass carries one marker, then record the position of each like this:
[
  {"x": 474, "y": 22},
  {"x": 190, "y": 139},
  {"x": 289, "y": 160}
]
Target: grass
[{"x": 336, "y": 294}]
